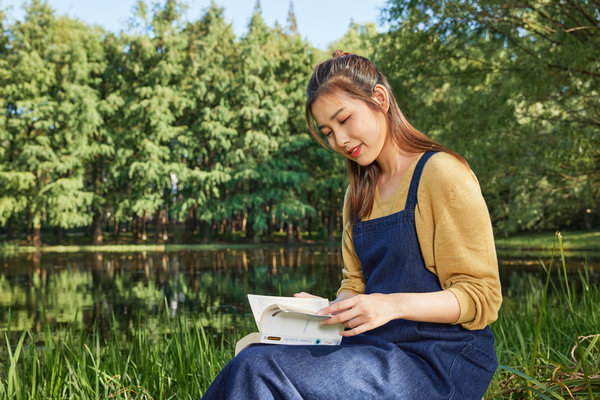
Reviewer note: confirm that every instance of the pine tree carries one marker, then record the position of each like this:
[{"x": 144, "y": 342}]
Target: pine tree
[
  {"x": 153, "y": 101},
  {"x": 50, "y": 112},
  {"x": 360, "y": 39},
  {"x": 81, "y": 64},
  {"x": 292, "y": 25},
  {"x": 205, "y": 143}
]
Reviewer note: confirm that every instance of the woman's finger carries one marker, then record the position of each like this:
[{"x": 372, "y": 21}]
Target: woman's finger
[
  {"x": 306, "y": 295},
  {"x": 356, "y": 331},
  {"x": 341, "y": 317},
  {"x": 335, "y": 307}
]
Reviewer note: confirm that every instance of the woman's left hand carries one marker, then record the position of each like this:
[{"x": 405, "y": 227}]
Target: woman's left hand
[{"x": 360, "y": 313}]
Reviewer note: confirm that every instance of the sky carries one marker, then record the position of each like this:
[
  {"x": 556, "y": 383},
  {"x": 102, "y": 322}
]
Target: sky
[{"x": 319, "y": 21}]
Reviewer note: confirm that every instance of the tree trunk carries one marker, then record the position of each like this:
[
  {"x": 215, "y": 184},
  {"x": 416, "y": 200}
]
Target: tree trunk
[
  {"x": 157, "y": 225},
  {"x": 134, "y": 227},
  {"x": 331, "y": 219},
  {"x": 97, "y": 228},
  {"x": 587, "y": 219},
  {"x": 28, "y": 230},
  {"x": 164, "y": 221},
  {"x": 270, "y": 222},
  {"x": 144, "y": 226},
  {"x": 290, "y": 233},
  {"x": 116, "y": 229},
  {"x": 97, "y": 219},
  {"x": 9, "y": 229},
  {"x": 37, "y": 234}
]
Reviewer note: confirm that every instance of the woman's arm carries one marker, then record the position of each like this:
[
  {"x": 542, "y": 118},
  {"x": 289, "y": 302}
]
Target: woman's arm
[
  {"x": 456, "y": 238},
  {"x": 364, "y": 312}
]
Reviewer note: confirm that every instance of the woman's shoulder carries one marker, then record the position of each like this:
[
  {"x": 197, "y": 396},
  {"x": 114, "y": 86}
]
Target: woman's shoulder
[
  {"x": 444, "y": 173},
  {"x": 445, "y": 165}
]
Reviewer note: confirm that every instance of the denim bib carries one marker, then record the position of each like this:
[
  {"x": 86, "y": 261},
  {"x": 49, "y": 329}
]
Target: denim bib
[{"x": 399, "y": 360}]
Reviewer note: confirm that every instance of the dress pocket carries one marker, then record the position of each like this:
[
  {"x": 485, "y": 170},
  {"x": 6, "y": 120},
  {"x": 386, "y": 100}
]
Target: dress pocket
[{"x": 471, "y": 372}]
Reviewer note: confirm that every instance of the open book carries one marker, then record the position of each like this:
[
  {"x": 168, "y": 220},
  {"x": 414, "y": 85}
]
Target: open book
[{"x": 289, "y": 320}]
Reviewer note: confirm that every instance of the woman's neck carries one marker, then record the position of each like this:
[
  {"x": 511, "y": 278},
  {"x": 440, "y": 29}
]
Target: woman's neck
[{"x": 394, "y": 162}]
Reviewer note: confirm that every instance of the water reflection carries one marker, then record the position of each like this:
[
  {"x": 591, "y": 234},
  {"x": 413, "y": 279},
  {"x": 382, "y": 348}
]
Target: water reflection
[{"x": 210, "y": 287}]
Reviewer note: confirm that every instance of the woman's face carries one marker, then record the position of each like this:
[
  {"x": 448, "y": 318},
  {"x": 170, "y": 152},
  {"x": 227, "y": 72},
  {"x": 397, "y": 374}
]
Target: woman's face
[{"x": 350, "y": 127}]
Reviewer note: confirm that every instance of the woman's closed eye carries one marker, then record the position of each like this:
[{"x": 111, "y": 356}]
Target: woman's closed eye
[{"x": 328, "y": 133}]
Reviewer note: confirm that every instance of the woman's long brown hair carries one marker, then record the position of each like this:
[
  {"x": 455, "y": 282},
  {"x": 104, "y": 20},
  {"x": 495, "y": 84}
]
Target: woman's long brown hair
[{"x": 357, "y": 77}]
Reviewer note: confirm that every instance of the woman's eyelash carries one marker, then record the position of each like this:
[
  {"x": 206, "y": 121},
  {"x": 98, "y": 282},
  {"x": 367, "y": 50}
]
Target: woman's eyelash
[{"x": 342, "y": 122}]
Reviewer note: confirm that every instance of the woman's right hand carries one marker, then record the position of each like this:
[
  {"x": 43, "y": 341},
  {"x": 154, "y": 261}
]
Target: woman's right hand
[{"x": 342, "y": 296}]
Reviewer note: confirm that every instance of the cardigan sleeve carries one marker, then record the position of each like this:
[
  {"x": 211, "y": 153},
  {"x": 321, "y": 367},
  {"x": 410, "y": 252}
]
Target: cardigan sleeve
[
  {"x": 455, "y": 234},
  {"x": 352, "y": 277}
]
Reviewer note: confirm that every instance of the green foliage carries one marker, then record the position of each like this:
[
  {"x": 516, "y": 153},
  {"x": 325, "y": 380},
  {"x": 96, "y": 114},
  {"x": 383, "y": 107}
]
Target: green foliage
[
  {"x": 547, "y": 342},
  {"x": 125, "y": 127},
  {"x": 360, "y": 39},
  {"x": 513, "y": 87},
  {"x": 182, "y": 123},
  {"x": 50, "y": 108},
  {"x": 178, "y": 359}
]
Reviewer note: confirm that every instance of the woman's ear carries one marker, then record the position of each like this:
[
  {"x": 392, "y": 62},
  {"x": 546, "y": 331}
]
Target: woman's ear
[{"x": 381, "y": 96}]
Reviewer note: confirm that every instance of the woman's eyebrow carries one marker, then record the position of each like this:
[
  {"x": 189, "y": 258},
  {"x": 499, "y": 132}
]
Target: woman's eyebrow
[{"x": 332, "y": 117}]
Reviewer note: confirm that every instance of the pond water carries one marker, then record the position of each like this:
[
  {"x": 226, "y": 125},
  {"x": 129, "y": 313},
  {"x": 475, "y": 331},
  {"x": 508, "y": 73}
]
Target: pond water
[{"x": 57, "y": 290}]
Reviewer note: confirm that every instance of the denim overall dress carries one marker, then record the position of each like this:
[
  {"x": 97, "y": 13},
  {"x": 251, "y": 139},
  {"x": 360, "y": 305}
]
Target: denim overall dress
[{"x": 399, "y": 360}]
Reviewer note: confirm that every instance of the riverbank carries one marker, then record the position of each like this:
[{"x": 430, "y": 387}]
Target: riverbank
[{"x": 539, "y": 244}]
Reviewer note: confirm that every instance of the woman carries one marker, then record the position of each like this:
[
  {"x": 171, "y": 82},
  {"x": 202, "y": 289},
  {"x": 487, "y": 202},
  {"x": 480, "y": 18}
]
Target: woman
[{"x": 420, "y": 281}]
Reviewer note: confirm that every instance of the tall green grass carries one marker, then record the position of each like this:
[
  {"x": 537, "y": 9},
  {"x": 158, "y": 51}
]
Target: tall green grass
[
  {"x": 548, "y": 344},
  {"x": 177, "y": 363}
]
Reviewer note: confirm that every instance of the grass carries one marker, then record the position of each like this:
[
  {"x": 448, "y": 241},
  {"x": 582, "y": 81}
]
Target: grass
[
  {"x": 179, "y": 362},
  {"x": 126, "y": 241},
  {"x": 578, "y": 244},
  {"x": 548, "y": 343},
  {"x": 536, "y": 244},
  {"x": 575, "y": 240},
  {"x": 12, "y": 248}
]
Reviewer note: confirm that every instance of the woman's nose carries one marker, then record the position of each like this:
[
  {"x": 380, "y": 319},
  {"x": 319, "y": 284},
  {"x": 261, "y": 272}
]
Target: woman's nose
[{"x": 341, "y": 138}]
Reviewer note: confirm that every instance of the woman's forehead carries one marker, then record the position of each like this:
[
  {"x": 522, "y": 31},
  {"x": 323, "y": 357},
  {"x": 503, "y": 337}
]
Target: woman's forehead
[{"x": 333, "y": 98}]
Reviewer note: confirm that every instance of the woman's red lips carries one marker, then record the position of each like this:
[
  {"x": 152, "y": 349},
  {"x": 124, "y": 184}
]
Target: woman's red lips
[{"x": 355, "y": 150}]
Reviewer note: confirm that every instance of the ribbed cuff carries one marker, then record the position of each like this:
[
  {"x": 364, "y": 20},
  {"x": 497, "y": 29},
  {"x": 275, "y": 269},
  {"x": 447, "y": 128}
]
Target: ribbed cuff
[{"x": 467, "y": 306}]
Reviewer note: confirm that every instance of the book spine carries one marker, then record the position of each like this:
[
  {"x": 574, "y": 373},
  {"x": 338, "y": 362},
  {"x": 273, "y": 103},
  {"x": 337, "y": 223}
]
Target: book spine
[{"x": 294, "y": 340}]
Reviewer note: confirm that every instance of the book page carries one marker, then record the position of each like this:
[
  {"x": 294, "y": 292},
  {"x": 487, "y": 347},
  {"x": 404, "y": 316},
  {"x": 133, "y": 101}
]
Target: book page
[
  {"x": 276, "y": 322},
  {"x": 259, "y": 304}
]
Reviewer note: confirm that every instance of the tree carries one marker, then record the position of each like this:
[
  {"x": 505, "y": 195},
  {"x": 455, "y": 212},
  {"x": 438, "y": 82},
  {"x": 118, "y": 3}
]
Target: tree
[
  {"x": 360, "y": 39},
  {"x": 513, "y": 86},
  {"x": 50, "y": 111},
  {"x": 206, "y": 140},
  {"x": 292, "y": 25},
  {"x": 153, "y": 102}
]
